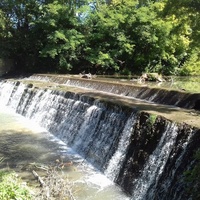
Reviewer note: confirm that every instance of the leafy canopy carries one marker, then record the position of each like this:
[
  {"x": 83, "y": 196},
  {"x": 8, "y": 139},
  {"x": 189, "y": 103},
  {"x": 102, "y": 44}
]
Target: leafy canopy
[{"x": 131, "y": 36}]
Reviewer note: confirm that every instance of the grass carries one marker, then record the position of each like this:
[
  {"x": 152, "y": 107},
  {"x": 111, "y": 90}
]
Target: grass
[
  {"x": 152, "y": 119},
  {"x": 12, "y": 188},
  {"x": 55, "y": 187}
]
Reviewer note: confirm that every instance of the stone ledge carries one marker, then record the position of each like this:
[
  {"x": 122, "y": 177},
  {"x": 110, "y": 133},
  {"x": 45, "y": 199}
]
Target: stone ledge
[
  {"x": 180, "y": 115},
  {"x": 164, "y": 96}
]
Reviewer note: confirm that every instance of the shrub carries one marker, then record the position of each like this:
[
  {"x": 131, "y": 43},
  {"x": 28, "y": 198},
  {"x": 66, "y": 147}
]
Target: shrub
[{"x": 11, "y": 187}]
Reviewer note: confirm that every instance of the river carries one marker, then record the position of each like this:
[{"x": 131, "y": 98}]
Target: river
[{"x": 22, "y": 142}]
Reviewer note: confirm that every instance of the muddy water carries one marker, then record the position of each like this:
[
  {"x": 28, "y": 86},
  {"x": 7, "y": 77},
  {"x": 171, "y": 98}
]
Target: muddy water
[{"x": 24, "y": 144}]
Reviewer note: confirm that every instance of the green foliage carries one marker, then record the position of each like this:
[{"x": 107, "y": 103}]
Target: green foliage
[
  {"x": 192, "y": 65},
  {"x": 113, "y": 37},
  {"x": 192, "y": 177},
  {"x": 126, "y": 72},
  {"x": 11, "y": 187},
  {"x": 138, "y": 38},
  {"x": 5, "y": 34},
  {"x": 63, "y": 38},
  {"x": 152, "y": 119},
  {"x": 20, "y": 43}
]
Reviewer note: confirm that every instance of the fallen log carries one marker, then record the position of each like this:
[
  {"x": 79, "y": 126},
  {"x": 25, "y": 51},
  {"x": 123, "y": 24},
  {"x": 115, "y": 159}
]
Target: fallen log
[{"x": 42, "y": 183}]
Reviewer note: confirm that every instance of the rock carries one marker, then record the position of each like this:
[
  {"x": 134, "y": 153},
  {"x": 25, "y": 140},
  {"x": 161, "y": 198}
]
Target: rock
[
  {"x": 87, "y": 76},
  {"x": 30, "y": 85},
  {"x": 197, "y": 104},
  {"x": 152, "y": 77}
]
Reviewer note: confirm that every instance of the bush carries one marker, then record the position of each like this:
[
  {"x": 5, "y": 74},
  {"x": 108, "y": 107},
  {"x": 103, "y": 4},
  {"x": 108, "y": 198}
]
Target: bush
[
  {"x": 11, "y": 187},
  {"x": 192, "y": 65}
]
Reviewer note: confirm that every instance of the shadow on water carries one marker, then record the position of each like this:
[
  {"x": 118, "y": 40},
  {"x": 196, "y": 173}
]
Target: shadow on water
[
  {"x": 24, "y": 151},
  {"x": 21, "y": 148}
]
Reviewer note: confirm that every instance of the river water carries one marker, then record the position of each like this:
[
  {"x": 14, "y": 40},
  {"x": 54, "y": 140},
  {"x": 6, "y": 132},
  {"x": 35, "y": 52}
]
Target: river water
[{"x": 23, "y": 142}]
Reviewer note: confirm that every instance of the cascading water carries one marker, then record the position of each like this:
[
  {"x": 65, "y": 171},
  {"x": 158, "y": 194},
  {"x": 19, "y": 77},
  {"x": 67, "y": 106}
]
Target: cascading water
[
  {"x": 81, "y": 123},
  {"x": 113, "y": 168},
  {"x": 103, "y": 134},
  {"x": 156, "y": 95},
  {"x": 164, "y": 188},
  {"x": 155, "y": 165},
  {"x": 6, "y": 89}
]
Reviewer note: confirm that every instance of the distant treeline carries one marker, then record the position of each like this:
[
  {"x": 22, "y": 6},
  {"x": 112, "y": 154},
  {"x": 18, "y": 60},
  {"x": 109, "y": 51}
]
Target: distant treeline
[{"x": 101, "y": 36}]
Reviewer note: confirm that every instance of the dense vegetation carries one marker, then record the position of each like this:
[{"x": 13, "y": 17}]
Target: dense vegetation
[{"x": 126, "y": 36}]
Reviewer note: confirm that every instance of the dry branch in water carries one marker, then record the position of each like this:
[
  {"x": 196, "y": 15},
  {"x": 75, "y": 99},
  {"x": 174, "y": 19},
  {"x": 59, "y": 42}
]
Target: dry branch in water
[
  {"x": 38, "y": 178},
  {"x": 54, "y": 186}
]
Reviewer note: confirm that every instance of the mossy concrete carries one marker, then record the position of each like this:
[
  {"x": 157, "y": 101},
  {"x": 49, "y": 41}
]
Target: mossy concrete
[
  {"x": 179, "y": 98},
  {"x": 180, "y": 115}
]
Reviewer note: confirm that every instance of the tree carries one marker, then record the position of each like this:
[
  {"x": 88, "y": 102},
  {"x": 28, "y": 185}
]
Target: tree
[
  {"x": 102, "y": 36},
  {"x": 44, "y": 33},
  {"x": 22, "y": 45},
  {"x": 186, "y": 18},
  {"x": 64, "y": 40},
  {"x": 125, "y": 35}
]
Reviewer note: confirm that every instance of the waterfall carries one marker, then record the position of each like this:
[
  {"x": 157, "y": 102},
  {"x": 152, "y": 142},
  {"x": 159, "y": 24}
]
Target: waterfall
[
  {"x": 117, "y": 159},
  {"x": 156, "y": 95},
  {"x": 164, "y": 188},
  {"x": 16, "y": 96},
  {"x": 82, "y": 123},
  {"x": 109, "y": 136},
  {"x": 154, "y": 166},
  {"x": 6, "y": 89}
]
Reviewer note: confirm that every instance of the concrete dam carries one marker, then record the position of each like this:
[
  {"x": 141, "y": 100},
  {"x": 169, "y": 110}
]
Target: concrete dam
[{"x": 142, "y": 139}]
